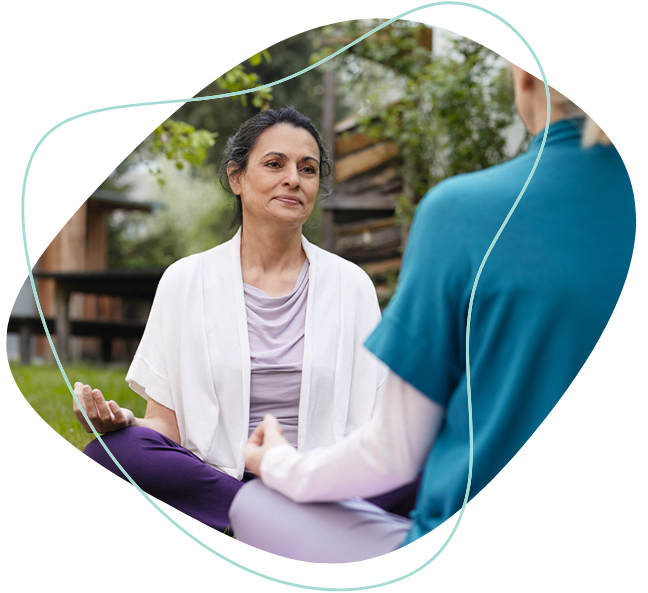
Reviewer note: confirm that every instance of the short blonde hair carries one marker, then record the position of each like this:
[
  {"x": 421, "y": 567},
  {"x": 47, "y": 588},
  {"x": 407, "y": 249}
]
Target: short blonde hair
[{"x": 592, "y": 133}]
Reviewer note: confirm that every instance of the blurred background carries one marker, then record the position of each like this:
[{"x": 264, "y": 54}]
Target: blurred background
[{"x": 401, "y": 110}]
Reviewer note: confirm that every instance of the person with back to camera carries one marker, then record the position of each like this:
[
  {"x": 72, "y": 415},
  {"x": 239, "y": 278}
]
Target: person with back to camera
[
  {"x": 266, "y": 322},
  {"x": 543, "y": 299}
]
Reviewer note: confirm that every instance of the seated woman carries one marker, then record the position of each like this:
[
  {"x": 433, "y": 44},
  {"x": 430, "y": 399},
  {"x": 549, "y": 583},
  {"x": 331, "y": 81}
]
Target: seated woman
[
  {"x": 266, "y": 322},
  {"x": 543, "y": 299}
]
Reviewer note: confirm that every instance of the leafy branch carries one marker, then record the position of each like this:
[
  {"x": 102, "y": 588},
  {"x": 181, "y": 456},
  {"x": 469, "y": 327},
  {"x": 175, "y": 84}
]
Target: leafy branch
[
  {"x": 182, "y": 143},
  {"x": 238, "y": 79}
]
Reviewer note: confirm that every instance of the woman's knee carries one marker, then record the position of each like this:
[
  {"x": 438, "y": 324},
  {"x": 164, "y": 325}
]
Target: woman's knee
[{"x": 131, "y": 447}]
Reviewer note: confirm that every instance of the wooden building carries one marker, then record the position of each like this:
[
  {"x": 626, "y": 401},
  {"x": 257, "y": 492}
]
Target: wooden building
[
  {"x": 358, "y": 221},
  {"x": 82, "y": 245},
  {"x": 358, "y": 218}
]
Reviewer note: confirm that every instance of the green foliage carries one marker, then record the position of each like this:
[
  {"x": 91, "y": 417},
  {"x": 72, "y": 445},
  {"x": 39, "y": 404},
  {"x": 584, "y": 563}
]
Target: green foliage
[
  {"x": 141, "y": 241},
  {"x": 194, "y": 215},
  {"x": 372, "y": 73},
  {"x": 226, "y": 115},
  {"x": 238, "y": 79},
  {"x": 404, "y": 211},
  {"x": 450, "y": 120},
  {"x": 178, "y": 142},
  {"x": 311, "y": 229},
  {"x": 452, "y": 110},
  {"x": 185, "y": 144},
  {"x": 401, "y": 46}
]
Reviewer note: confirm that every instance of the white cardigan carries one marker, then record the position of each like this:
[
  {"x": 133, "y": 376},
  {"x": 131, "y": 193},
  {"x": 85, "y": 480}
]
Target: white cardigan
[{"x": 194, "y": 356}]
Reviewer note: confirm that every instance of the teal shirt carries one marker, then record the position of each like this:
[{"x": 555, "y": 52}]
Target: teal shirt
[{"x": 544, "y": 297}]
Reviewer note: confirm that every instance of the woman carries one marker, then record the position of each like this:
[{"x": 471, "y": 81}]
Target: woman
[
  {"x": 266, "y": 322},
  {"x": 544, "y": 297}
]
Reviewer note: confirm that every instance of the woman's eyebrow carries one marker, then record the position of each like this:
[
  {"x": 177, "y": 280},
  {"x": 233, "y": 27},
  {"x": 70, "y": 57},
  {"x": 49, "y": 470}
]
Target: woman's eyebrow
[{"x": 283, "y": 156}]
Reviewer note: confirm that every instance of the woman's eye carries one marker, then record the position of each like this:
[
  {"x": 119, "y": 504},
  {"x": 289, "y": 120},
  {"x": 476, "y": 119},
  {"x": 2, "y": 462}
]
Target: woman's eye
[
  {"x": 273, "y": 164},
  {"x": 309, "y": 170}
]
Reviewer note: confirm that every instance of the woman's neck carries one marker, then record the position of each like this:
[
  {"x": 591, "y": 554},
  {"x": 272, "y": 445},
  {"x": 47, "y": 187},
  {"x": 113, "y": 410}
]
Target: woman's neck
[
  {"x": 270, "y": 251},
  {"x": 540, "y": 115}
]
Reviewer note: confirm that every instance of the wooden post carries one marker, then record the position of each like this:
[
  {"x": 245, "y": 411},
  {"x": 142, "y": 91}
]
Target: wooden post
[
  {"x": 62, "y": 322},
  {"x": 328, "y": 132},
  {"x": 106, "y": 349},
  {"x": 328, "y": 111},
  {"x": 25, "y": 344}
]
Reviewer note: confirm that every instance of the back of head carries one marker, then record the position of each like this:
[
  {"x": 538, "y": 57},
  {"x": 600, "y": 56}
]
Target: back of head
[{"x": 592, "y": 133}]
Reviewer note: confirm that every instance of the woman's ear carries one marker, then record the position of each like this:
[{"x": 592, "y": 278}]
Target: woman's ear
[{"x": 233, "y": 179}]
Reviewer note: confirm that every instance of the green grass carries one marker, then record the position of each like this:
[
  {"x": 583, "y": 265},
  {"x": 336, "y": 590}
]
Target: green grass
[{"x": 46, "y": 392}]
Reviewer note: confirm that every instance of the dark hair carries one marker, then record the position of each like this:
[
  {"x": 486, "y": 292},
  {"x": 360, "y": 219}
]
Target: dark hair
[{"x": 243, "y": 141}]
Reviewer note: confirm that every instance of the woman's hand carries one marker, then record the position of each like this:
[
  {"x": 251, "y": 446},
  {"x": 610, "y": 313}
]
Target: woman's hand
[
  {"x": 265, "y": 436},
  {"x": 104, "y": 416}
]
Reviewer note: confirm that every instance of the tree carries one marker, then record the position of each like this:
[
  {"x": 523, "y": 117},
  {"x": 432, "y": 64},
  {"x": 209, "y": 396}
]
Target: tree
[
  {"x": 194, "y": 216},
  {"x": 144, "y": 241},
  {"x": 452, "y": 110},
  {"x": 182, "y": 143}
]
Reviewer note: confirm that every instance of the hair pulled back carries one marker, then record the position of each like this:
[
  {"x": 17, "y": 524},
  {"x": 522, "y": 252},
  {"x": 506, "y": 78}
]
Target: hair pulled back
[
  {"x": 592, "y": 133},
  {"x": 242, "y": 142}
]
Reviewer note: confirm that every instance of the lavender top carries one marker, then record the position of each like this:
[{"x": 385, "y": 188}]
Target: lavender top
[{"x": 276, "y": 335}]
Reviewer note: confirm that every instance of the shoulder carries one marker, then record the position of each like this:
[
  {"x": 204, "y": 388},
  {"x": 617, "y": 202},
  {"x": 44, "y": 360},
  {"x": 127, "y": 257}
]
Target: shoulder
[
  {"x": 181, "y": 270},
  {"x": 468, "y": 209},
  {"x": 184, "y": 270},
  {"x": 330, "y": 263},
  {"x": 479, "y": 190}
]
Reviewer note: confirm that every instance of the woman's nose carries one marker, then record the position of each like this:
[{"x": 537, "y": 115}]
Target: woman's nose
[{"x": 292, "y": 177}]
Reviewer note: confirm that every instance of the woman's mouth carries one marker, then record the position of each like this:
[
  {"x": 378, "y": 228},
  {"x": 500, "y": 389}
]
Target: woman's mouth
[{"x": 289, "y": 200}]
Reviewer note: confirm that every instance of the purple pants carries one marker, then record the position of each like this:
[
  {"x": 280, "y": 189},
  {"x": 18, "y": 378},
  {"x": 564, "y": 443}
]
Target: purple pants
[{"x": 174, "y": 475}]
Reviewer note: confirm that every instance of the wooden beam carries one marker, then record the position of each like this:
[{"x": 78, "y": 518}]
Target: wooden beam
[
  {"x": 350, "y": 143},
  {"x": 382, "y": 267},
  {"x": 129, "y": 328},
  {"x": 365, "y": 160},
  {"x": 363, "y": 256},
  {"x": 364, "y": 243},
  {"x": 370, "y": 224},
  {"x": 386, "y": 181},
  {"x": 372, "y": 201},
  {"x": 345, "y": 124}
]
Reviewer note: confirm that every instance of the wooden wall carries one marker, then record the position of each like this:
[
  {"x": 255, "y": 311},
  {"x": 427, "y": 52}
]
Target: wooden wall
[
  {"x": 65, "y": 253},
  {"x": 358, "y": 218},
  {"x": 82, "y": 244}
]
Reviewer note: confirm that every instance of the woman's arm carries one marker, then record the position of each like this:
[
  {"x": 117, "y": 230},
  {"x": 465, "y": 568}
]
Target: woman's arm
[
  {"x": 161, "y": 419},
  {"x": 384, "y": 454},
  {"x": 109, "y": 416}
]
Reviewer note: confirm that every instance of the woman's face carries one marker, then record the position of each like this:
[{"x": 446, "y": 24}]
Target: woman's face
[{"x": 281, "y": 180}]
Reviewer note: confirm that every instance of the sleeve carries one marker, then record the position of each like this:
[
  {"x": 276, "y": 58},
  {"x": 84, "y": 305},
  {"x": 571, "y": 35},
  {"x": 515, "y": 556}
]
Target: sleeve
[
  {"x": 384, "y": 454},
  {"x": 148, "y": 373}
]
